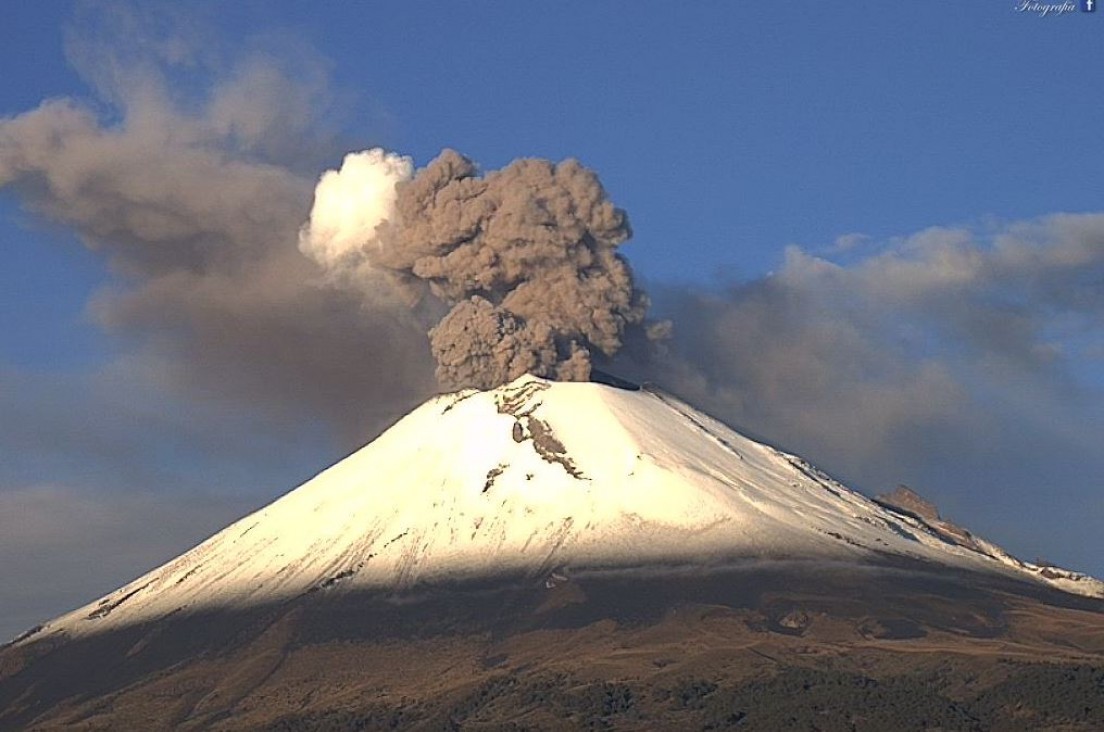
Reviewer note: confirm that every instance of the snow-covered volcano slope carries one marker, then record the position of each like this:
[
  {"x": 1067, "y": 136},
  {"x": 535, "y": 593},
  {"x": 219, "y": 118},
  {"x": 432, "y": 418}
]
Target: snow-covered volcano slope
[{"x": 537, "y": 477}]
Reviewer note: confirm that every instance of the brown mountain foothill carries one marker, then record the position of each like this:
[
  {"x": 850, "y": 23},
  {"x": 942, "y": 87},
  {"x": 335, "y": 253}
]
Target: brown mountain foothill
[{"x": 788, "y": 646}]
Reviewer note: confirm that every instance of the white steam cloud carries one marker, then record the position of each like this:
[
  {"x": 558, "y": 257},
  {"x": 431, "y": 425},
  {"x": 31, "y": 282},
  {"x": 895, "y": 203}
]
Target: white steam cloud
[{"x": 348, "y": 206}]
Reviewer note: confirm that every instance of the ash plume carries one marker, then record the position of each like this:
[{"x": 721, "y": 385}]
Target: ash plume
[
  {"x": 525, "y": 258},
  {"x": 193, "y": 195}
]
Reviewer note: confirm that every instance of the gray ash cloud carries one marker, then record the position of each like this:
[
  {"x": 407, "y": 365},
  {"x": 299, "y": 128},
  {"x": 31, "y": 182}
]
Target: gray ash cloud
[{"x": 524, "y": 259}]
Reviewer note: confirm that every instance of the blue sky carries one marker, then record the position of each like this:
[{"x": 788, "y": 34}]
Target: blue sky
[{"x": 848, "y": 210}]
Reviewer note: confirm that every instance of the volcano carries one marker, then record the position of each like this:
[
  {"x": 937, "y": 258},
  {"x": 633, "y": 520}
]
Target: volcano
[{"x": 570, "y": 555}]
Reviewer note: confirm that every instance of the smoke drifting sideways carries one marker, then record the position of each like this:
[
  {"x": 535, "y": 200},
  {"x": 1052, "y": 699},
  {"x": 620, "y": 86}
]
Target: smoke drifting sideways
[
  {"x": 190, "y": 177},
  {"x": 524, "y": 258}
]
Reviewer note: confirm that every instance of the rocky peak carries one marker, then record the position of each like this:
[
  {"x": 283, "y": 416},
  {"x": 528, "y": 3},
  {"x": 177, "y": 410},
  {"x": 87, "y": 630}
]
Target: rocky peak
[{"x": 909, "y": 500}]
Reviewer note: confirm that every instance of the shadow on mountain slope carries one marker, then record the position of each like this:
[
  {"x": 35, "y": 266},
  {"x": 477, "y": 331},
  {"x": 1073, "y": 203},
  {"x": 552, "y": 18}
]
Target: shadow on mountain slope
[{"x": 764, "y": 646}]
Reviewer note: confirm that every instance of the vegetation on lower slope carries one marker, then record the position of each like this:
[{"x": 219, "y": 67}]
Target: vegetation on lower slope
[{"x": 1033, "y": 697}]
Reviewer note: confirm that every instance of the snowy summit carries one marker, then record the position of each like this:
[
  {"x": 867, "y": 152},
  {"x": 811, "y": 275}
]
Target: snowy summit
[{"x": 539, "y": 479}]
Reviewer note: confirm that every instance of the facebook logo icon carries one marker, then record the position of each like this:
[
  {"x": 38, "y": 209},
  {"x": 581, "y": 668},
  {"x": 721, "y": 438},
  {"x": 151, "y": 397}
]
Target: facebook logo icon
[{"x": 1088, "y": 6}]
